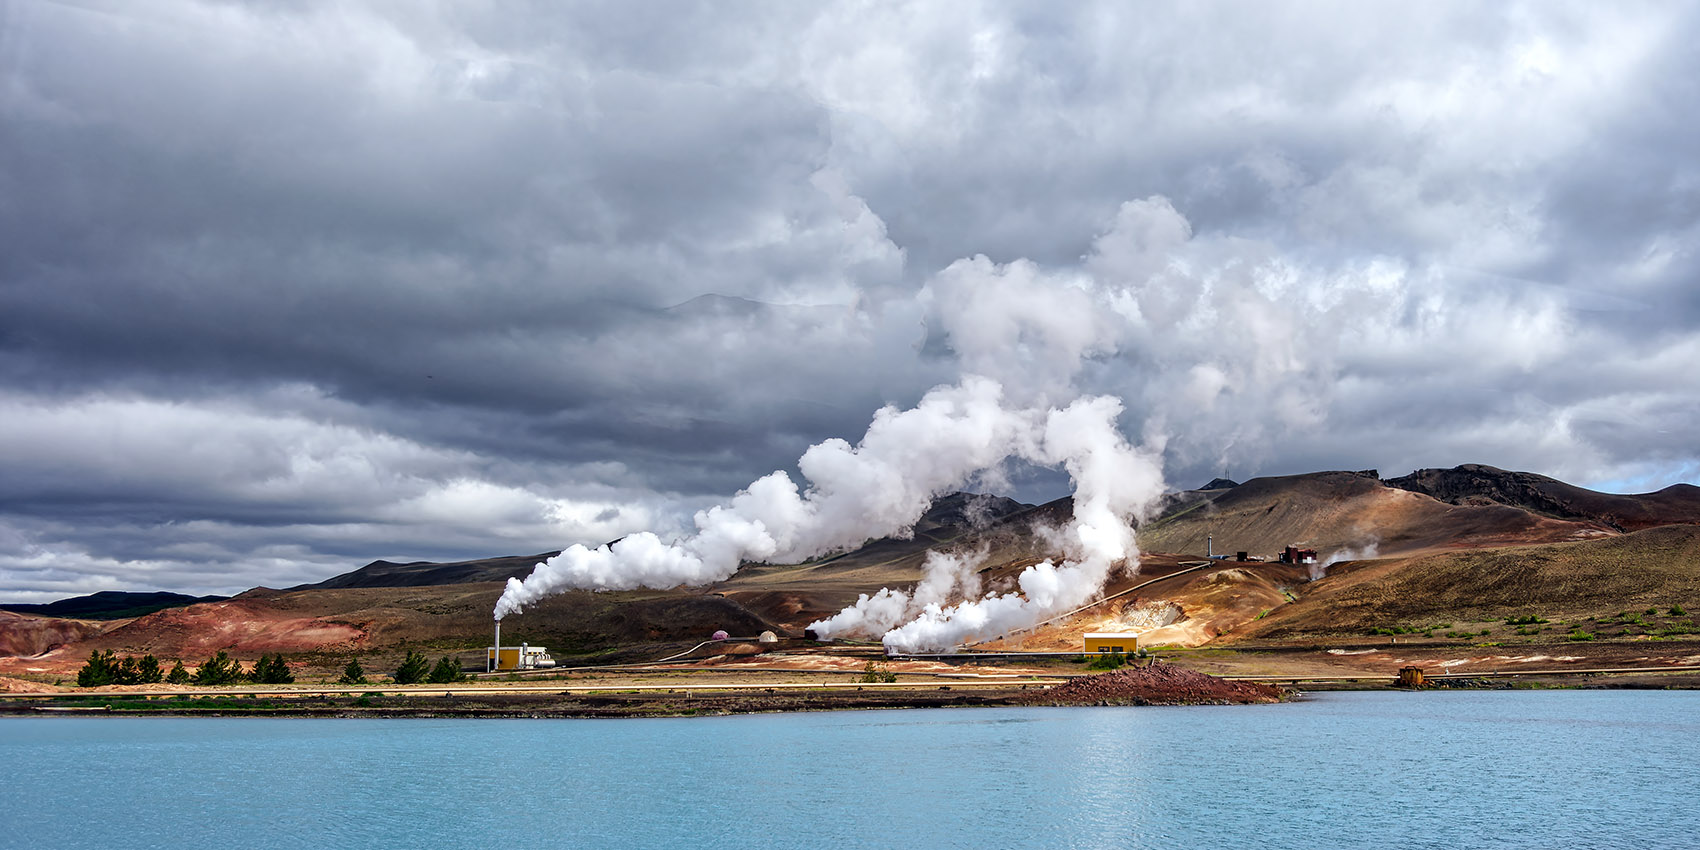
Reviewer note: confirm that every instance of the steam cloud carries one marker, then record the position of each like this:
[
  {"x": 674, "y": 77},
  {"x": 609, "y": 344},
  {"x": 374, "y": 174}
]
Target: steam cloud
[
  {"x": 877, "y": 488},
  {"x": 1358, "y": 553},
  {"x": 1026, "y": 335},
  {"x": 1114, "y": 484},
  {"x": 945, "y": 575}
]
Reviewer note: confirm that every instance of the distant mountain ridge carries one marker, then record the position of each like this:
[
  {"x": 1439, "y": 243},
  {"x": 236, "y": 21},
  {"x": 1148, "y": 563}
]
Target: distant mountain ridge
[
  {"x": 110, "y": 605},
  {"x": 1472, "y": 505},
  {"x": 429, "y": 573},
  {"x": 1478, "y": 484}
]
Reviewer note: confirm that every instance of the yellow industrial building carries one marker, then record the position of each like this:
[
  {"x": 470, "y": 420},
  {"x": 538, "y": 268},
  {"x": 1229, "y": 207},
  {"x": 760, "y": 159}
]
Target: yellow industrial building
[
  {"x": 1123, "y": 642},
  {"x": 522, "y": 657}
]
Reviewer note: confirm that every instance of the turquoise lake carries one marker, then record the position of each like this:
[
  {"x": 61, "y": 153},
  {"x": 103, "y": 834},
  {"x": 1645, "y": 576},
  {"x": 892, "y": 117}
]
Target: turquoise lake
[{"x": 1550, "y": 769}]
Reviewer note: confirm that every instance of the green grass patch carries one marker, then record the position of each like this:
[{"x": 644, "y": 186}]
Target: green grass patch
[{"x": 1107, "y": 661}]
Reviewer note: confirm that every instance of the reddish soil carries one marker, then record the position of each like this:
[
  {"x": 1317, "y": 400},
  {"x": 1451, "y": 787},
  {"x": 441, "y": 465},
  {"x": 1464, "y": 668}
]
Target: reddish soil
[
  {"x": 1155, "y": 684},
  {"x": 25, "y": 636}
]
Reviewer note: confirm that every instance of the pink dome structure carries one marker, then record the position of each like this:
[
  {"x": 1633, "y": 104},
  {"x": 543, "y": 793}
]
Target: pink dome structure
[{"x": 720, "y": 635}]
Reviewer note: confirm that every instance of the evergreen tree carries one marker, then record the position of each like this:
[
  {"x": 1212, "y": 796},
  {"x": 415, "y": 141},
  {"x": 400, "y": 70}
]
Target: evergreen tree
[
  {"x": 98, "y": 671},
  {"x": 272, "y": 670},
  {"x": 220, "y": 669},
  {"x": 447, "y": 670},
  {"x": 178, "y": 675},
  {"x": 353, "y": 674},
  {"x": 413, "y": 669},
  {"x": 149, "y": 670},
  {"x": 126, "y": 672}
]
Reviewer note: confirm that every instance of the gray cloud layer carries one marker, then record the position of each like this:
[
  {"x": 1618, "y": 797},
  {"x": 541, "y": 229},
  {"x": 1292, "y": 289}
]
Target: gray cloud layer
[{"x": 288, "y": 287}]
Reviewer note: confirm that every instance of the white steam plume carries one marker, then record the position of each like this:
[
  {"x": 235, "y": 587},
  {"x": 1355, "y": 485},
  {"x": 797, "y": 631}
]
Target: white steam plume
[
  {"x": 1114, "y": 483},
  {"x": 878, "y": 488},
  {"x": 1368, "y": 550},
  {"x": 946, "y": 576},
  {"x": 881, "y": 487},
  {"x": 1149, "y": 291}
]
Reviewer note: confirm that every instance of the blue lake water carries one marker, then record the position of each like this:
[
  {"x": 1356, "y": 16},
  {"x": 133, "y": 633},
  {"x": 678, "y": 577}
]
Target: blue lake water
[{"x": 1555, "y": 769}]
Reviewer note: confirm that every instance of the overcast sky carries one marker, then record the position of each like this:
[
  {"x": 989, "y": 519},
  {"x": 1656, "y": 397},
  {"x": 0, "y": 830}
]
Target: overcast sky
[{"x": 287, "y": 287}]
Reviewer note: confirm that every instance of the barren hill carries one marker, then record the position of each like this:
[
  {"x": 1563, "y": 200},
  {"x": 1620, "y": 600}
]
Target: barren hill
[
  {"x": 1657, "y": 567},
  {"x": 24, "y": 636},
  {"x": 427, "y": 573},
  {"x": 1477, "y": 484},
  {"x": 1333, "y": 512},
  {"x": 344, "y": 621}
]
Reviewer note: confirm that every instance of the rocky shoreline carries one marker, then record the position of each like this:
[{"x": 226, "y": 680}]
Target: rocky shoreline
[{"x": 1157, "y": 684}]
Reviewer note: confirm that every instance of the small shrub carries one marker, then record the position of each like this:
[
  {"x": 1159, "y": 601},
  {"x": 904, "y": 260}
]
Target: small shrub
[
  {"x": 353, "y": 674},
  {"x": 148, "y": 672},
  {"x": 1580, "y": 635},
  {"x": 97, "y": 671},
  {"x": 220, "y": 669},
  {"x": 1677, "y": 611},
  {"x": 877, "y": 673},
  {"x": 413, "y": 670},
  {"x": 1393, "y": 630},
  {"x": 447, "y": 670},
  {"x": 1107, "y": 661},
  {"x": 272, "y": 670}
]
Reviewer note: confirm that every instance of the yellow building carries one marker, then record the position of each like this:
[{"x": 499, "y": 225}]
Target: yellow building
[
  {"x": 522, "y": 657},
  {"x": 1123, "y": 642}
]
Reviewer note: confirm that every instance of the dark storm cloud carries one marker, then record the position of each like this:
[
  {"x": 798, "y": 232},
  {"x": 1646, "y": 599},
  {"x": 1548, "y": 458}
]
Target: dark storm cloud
[{"x": 287, "y": 287}]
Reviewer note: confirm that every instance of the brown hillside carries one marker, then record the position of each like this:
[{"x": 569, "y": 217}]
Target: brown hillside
[
  {"x": 1476, "y": 484},
  {"x": 25, "y": 636},
  {"x": 1655, "y": 567},
  {"x": 1334, "y": 511},
  {"x": 1182, "y": 608},
  {"x": 362, "y": 620}
]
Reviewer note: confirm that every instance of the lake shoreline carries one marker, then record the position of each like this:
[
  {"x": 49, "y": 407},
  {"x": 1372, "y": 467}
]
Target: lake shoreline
[{"x": 685, "y": 701}]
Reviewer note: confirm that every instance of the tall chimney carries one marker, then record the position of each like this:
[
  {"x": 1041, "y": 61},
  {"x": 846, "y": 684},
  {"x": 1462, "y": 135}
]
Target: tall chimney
[{"x": 496, "y": 656}]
